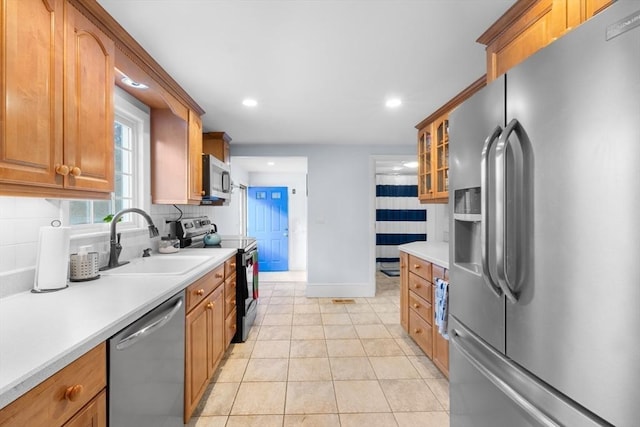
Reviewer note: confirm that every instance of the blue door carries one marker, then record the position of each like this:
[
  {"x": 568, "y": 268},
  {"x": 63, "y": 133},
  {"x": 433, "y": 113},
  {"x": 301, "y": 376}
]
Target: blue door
[{"x": 268, "y": 212}]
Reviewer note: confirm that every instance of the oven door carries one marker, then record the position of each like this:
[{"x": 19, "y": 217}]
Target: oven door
[{"x": 246, "y": 292}]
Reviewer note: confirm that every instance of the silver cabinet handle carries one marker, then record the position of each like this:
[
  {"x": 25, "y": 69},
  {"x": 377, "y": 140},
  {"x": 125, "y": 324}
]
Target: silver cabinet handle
[
  {"x": 133, "y": 338},
  {"x": 501, "y": 210},
  {"x": 484, "y": 199}
]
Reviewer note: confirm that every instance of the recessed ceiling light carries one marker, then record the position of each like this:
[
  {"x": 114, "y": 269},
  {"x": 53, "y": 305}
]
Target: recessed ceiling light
[
  {"x": 411, "y": 165},
  {"x": 249, "y": 102},
  {"x": 393, "y": 103},
  {"x": 271, "y": 163},
  {"x": 134, "y": 84}
]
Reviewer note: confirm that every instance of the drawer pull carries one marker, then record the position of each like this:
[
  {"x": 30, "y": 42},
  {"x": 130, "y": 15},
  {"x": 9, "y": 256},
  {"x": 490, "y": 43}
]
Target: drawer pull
[
  {"x": 75, "y": 171},
  {"x": 416, "y": 285},
  {"x": 210, "y": 305},
  {"x": 417, "y": 331},
  {"x": 232, "y": 265},
  {"x": 416, "y": 266},
  {"x": 202, "y": 193},
  {"x": 416, "y": 305},
  {"x": 73, "y": 393},
  {"x": 219, "y": 276},
  {"x": 200, "y": 292}
]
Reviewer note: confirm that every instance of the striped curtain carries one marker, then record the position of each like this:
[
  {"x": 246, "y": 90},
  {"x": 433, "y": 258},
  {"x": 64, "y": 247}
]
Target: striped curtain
[{"x": 400, "y": 218}]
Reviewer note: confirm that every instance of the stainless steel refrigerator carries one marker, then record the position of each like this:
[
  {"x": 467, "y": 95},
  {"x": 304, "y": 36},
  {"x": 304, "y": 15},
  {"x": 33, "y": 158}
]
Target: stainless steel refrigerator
[{"x": 545, "y": 262}]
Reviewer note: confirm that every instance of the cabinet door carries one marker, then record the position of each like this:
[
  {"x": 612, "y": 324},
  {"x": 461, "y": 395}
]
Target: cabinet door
[
  {"x": 404, "y": 290},
  {"x": 217, "y": 328},
  {"x": 441, "y": 159},
  {"x": 440, "y": 347},
  {"x": 94, "y": 414},
  {"x": 196, "y": 356},
  {"x": 425, "y": 177},
  {"x": 31, "y": 49},
  {"x": 195, "y": 157},
  {"x": 88, "y": 103}
]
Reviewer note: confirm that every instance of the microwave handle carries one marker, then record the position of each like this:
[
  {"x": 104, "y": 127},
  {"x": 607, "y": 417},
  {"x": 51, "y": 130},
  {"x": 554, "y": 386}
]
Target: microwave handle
[{"x": 226, "y": 182}]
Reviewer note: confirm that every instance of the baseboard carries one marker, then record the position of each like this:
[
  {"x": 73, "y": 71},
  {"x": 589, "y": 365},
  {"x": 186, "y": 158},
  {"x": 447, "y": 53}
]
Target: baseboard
[{"x": 340, "y": 290}]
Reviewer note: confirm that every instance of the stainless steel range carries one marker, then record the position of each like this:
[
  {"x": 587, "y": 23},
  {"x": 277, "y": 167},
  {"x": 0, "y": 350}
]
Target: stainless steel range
[{"x": 191, "y": 233}]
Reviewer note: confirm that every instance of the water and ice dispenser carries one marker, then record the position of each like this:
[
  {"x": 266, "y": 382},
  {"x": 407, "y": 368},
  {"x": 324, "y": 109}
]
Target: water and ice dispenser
[{"x": 467, "y": 224}]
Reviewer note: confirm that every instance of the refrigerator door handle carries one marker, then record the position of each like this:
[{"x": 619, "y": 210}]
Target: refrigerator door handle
[
  {"x": 484, "y": 200},
  {"x": 483, "y": 364},
  {"x": 501, "y": 209}
]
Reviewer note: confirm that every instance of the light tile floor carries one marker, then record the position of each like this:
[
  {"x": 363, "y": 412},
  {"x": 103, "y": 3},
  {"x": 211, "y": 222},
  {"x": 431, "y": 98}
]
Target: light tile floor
[{"x": 310, "y": 362}]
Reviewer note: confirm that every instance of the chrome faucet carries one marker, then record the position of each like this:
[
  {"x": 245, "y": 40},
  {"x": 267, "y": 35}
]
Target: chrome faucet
[{"x": 114, "y": 245}]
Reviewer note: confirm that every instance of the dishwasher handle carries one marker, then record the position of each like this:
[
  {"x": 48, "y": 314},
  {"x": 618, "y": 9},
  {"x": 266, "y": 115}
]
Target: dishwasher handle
[{"x": 133, "y": 338}]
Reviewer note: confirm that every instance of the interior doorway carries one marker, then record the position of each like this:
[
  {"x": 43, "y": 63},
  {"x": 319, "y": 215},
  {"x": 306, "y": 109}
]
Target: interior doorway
[
  {"x": 268, "y": 222},
  {"x": 290, "y": 172},
  {"x": 399, "y": 216}
]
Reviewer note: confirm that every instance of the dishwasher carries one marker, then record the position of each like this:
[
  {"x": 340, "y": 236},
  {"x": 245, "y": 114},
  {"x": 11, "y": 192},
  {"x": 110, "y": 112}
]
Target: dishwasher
[{"x": 146, "y": 369}]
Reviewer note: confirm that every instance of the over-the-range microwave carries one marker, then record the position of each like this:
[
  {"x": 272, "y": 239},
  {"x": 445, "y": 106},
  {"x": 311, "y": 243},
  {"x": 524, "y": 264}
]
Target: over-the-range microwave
[{"x": 216, "y": 180}]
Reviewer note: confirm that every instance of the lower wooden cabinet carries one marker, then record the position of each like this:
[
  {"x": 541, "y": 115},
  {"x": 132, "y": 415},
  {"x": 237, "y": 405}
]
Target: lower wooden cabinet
[
  {"x": 417, "y": 310},
  {"x": 421, "y": 332},
  {"x": 94, "y": 414},
  {"x": 207, "y": 328},
  {"x": 74, "y": 396},
  {"x": 404, "y": 290}
]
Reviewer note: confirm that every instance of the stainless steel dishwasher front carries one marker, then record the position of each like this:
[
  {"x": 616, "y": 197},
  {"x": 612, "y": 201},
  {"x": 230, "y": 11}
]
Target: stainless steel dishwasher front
[{"x": 146, "y": 369}]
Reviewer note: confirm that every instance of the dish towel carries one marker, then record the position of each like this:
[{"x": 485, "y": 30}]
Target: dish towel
[{"x": 441, "y": 313}]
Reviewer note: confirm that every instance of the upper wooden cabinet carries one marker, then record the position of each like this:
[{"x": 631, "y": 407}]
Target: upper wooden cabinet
[
  {"x": 195, "y": 157},
  {"x": 176, "y": 157},
  {"x": 88, "y": 105},
  {"x": 433, "y": 149},
  {"x": 217, "y": 144},
  {"x": 56, "y": 122},
  {"x": 530, "y": 25}
]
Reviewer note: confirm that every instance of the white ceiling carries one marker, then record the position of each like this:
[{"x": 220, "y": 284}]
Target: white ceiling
[
  {"x": 321, "y": 70},
  {"x": 395, "y": 166}
]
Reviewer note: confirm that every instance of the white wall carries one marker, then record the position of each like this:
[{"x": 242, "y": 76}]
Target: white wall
[
  {"x": 297, "y": 211},
  {"x": 228, "y": 218},
  {"x": 341, "y": 257}
]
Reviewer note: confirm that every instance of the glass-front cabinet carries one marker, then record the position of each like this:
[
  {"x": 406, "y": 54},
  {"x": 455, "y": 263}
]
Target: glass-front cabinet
[
  {"x": 425, "y": 183},
  {"x": 433, "y": 159},
  {"x": 442, "y": 156},
  {"x": 433, "y": 148}
]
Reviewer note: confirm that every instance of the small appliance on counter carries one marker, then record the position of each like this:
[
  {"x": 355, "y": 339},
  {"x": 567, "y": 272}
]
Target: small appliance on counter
[
  {"x": 168, "y": 245},
  {"x": 212, "y": 238},
  {"x": 52, "y": 266},
  {"x": 84, "y": 265}
]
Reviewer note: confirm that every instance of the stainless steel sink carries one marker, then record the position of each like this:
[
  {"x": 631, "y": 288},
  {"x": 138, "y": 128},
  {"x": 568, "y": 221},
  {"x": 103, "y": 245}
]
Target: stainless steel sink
[{"x": 159, "y": 265}]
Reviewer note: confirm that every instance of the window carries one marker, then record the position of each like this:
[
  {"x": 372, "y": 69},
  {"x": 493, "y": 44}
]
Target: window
[{"x": 128, "y": 141}]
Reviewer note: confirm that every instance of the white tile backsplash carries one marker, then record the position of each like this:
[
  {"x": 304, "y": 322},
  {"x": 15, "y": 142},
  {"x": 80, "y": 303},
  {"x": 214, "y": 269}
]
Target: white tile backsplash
[{"x": 22, "y": 217}]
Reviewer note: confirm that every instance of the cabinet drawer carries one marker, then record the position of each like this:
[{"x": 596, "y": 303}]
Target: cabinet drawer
[
  {"x": 437, "y": 273},
  {"x": 94, "y": 414},
  {"x": 230, "y": 327},
  {"x": 421, "y": 333},
  {"x": 59, "y": 397},
  {"x": 229, "y": 299},
  {"x": 230, "y": 267},
  {"x": 420, "y": 286},
  {"x": 422, "y": 307},
  {"x": 420, "y": 267},
  {"x": 198, "y": 290}
]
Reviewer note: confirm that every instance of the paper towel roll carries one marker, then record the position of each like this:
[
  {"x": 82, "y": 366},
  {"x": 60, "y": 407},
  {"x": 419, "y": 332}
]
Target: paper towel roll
[{"x": 52, "y": 265}]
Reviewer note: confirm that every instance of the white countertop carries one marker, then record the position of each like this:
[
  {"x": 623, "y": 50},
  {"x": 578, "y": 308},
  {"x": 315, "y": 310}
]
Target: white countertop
[
  {"x": 42, "y": 333},
  {"x": 435, "y": 252}
]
